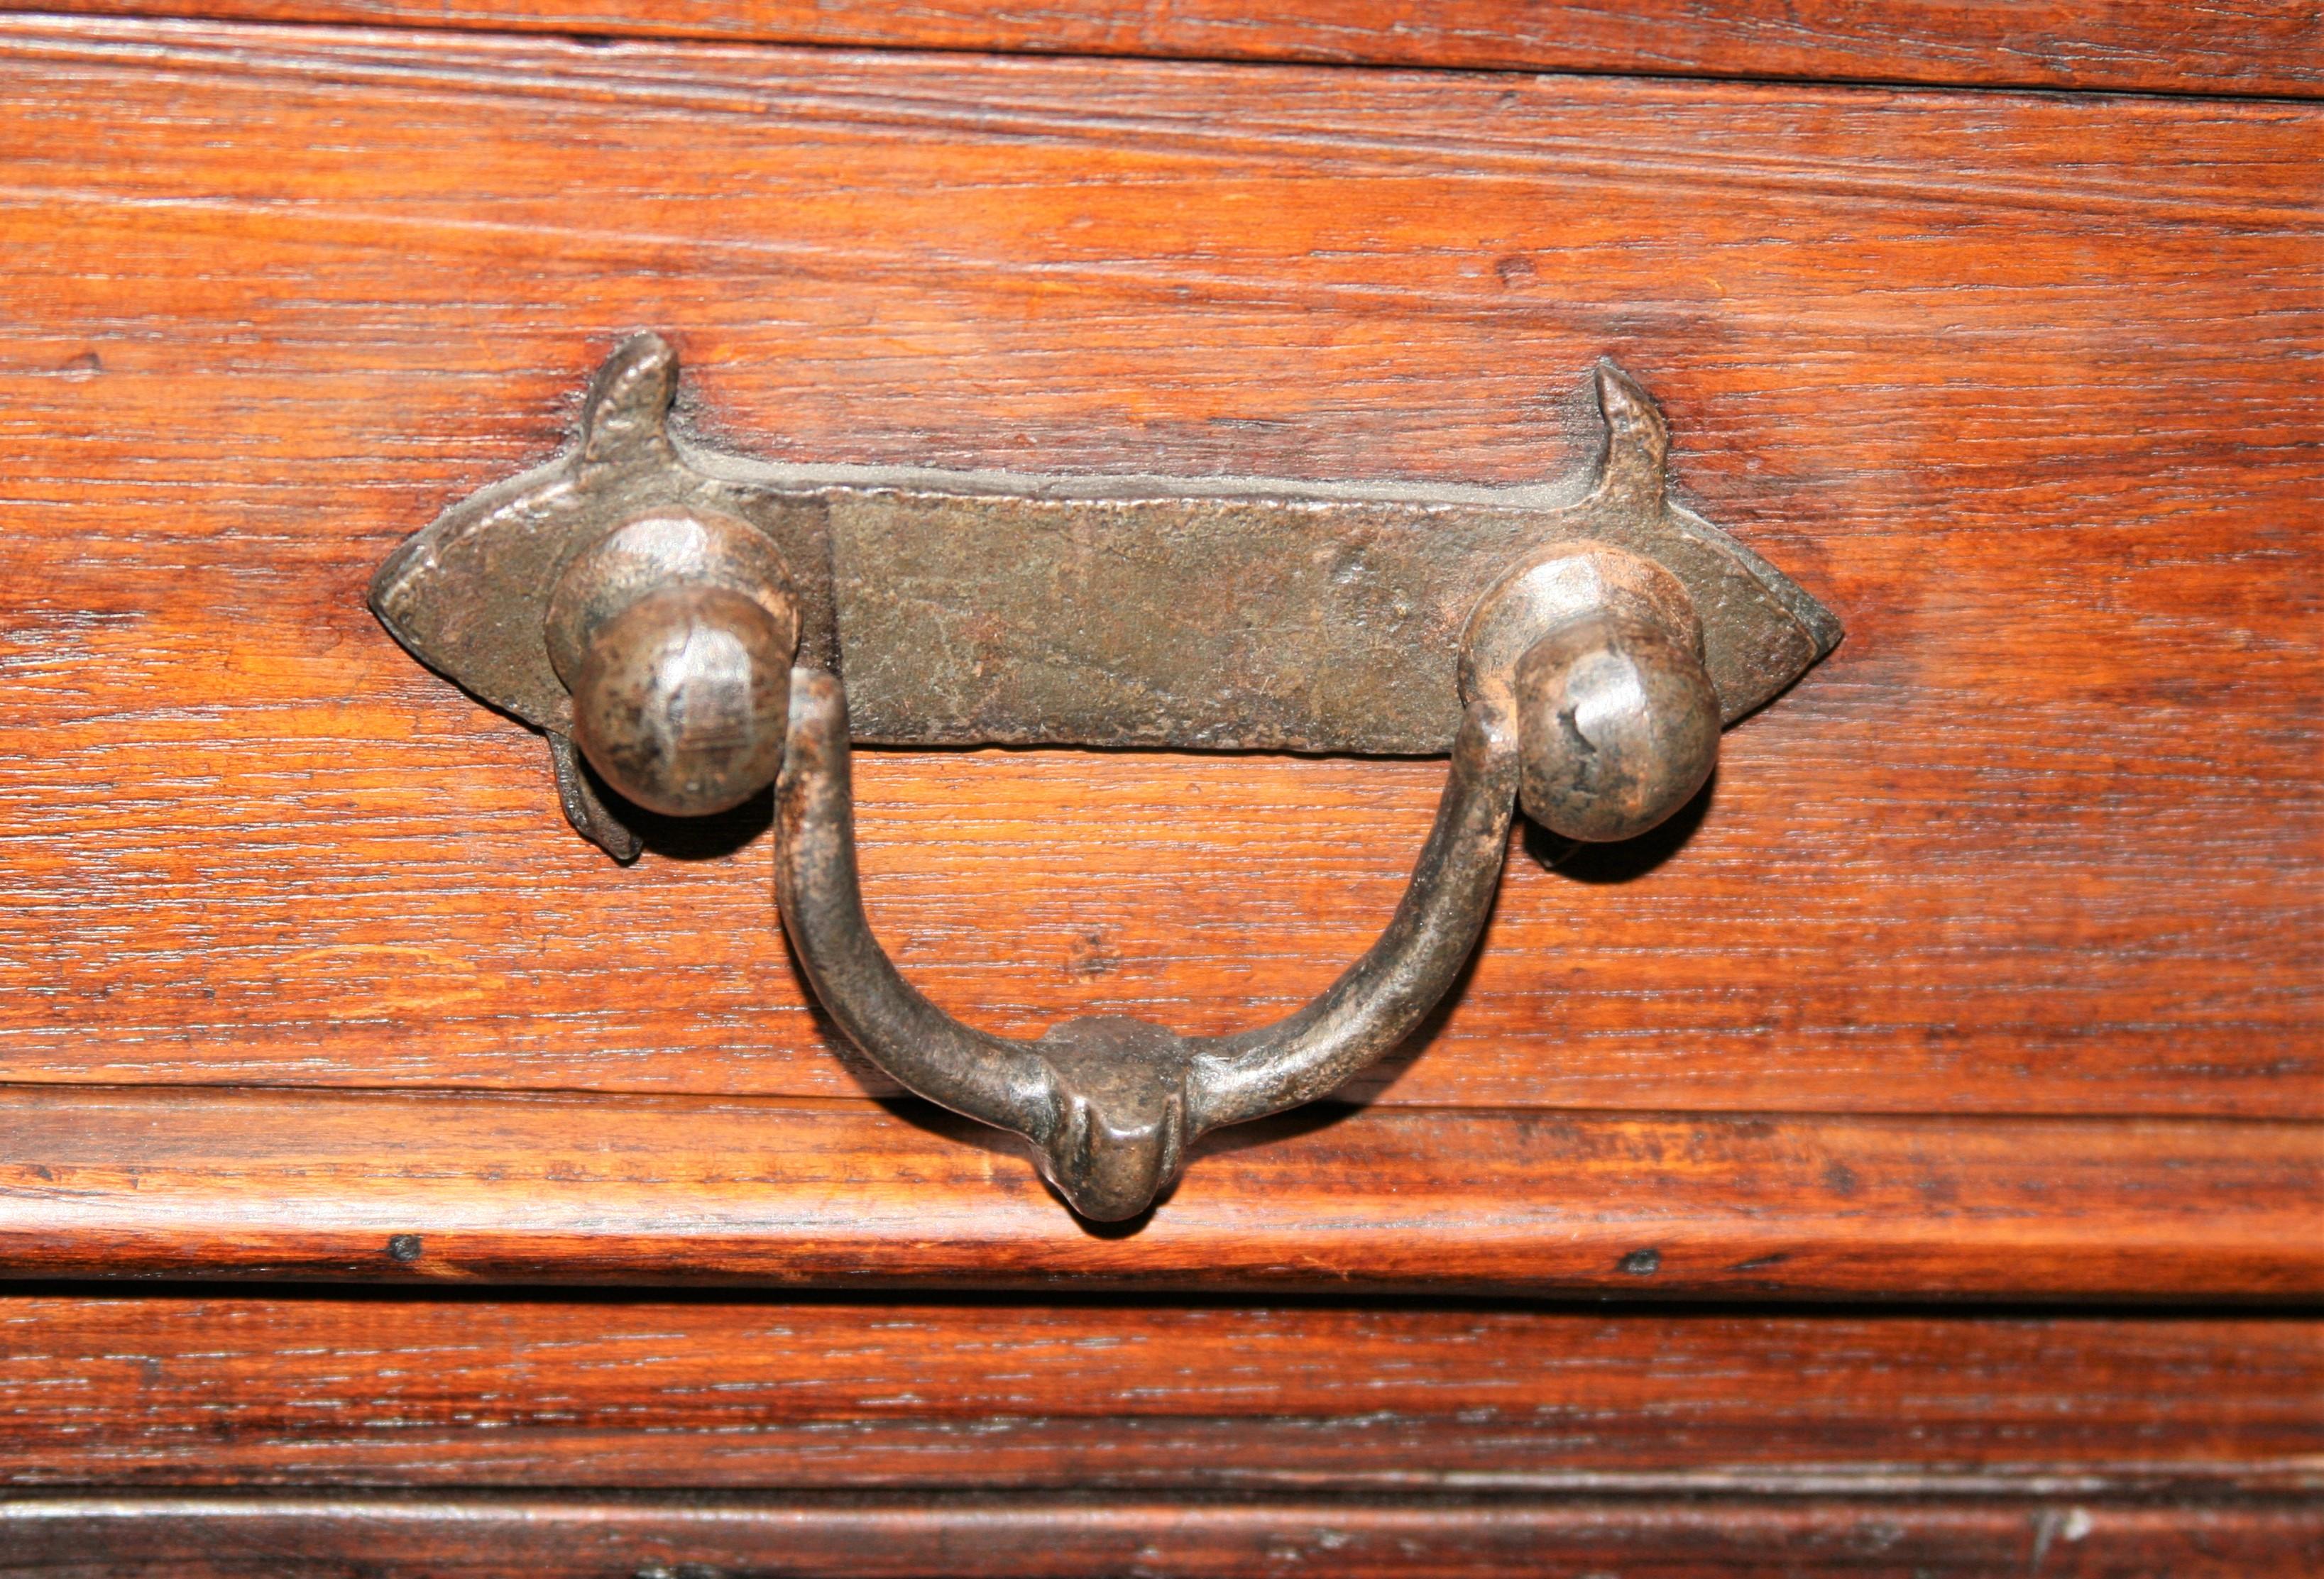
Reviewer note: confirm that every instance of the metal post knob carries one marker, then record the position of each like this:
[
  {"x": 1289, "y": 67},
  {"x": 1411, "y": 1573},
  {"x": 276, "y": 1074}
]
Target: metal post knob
[
  {"x": 1597, "y": 654},
  {"x": 1617, "y": 726},
  {"x": 675, "y": 633},
  {"x": 683, "y": 698}
]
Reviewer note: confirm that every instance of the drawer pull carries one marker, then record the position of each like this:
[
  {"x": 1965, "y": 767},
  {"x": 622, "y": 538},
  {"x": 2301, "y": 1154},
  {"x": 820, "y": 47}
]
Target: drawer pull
[{"x": 692, "y": 626}]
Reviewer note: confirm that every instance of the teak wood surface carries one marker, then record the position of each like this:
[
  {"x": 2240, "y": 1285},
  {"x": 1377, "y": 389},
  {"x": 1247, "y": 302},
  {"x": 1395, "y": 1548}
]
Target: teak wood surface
[
  {"x": 2225, "y": 47},
  {"x": 1988, "y": 970},
  {"x": 927, "y": 1396},
  {"x": 2020, "y": 384},
  {"x": 839, "y": 1437},
  {"x": 569, "y": 1188}
]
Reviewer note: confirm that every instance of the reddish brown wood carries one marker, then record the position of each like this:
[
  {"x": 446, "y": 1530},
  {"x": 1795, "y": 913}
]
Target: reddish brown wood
[
  {"x": 1988, "y": 970},
  {"x": 254, "y": 1183},
  {"x": 2019, "y": 385},
  {"x": 2245, "y": 46},
  {"x": 96, "y": 1538},
  {"x": 186, "y": 1390}
]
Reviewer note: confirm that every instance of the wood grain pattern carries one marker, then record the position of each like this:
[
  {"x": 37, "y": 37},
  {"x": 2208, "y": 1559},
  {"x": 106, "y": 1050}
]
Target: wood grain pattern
[
  {"x": 175, "y": 1183},
  {"x": 545, "y": 1538},
  {"x": 2243, "y": 47},
  {"x": 1986, "y": 972},
  {"x": 2022, "y": 386},
  {"x": 183, "y": 1390}
]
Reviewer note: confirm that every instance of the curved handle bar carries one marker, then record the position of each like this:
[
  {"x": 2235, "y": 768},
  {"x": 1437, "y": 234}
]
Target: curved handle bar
[{"x": 1112, "y": 1103}]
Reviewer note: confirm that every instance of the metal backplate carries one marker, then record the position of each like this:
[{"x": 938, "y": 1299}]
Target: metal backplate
[
  {"x": 469, "y": 596},
  {"x": 999, "y": 608},
  {"x": 1270, "y": 623}
]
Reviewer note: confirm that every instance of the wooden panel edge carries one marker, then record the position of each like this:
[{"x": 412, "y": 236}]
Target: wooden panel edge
[
  {"x": 2260, "y": 48},
  {"x": 234, "y": 1387},
  {"x": 1033, "y": 1537},
  {"x": 171, "y": 1182}
]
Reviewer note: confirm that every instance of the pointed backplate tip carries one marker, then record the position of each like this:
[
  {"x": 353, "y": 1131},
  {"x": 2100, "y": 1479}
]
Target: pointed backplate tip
[
  {"x": 1634, "y": 475},
  {"x": 1634, "y": 467},
  {"x": 467, "y": 594},
  {"x": 628, "y": 399}
]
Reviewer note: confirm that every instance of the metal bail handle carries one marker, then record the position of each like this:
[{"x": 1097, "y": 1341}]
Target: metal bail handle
[
  {"x": 1112, "y": 1103},
  {"x": 687, "y": 623}
]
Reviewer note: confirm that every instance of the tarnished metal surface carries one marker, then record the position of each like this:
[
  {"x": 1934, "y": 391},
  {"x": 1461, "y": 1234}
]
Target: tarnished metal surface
[
  {"x": 1248, "y": 614},
  {"x": 470, "y": 595},
  {"x": 676, "y": 634},
  {"x": 999, "y": 608},
  {"x": 1585, "y": 643},
  {"x": 1598, "y": 656},
  {"x": 584, "y": 808},
  {"x": 1112, "y": 1103},
  {"x": 1582, "y": 670}
]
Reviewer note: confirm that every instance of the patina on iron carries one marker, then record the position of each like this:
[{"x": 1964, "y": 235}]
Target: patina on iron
[{"x": 637, "y": 599}]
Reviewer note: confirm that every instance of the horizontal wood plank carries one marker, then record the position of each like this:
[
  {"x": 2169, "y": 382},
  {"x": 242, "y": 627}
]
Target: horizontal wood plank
[
  {"x": 181, "y": 1388},
  {"x": 2021, "y": 386},
  {"x": 358, "y": 1537},
  {"x": 2236, "y": 47},
  {"x": 2038, "y": 854},
  {"x": 204, "y": 1184}
]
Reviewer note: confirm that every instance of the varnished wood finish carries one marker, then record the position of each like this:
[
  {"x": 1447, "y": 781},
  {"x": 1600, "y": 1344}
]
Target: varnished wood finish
[
  {"x": 2018, "y": 384},
  {"x": 1986, "y": 971},
  {"x": 2241, "y": 47},
  {"x": 184, "y": 1389},
  {"x": 544, "y": 1537},
  {"x": 385, "y": 1186}
]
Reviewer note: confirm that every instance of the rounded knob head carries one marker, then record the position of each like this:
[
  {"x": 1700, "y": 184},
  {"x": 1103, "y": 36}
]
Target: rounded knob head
[
  {"x": 683, "y": 698},
  {"x": 1617, "y": 726}
]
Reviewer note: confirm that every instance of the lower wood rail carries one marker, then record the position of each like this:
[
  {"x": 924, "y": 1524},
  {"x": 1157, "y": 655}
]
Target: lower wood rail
[
  {"x": 442, "y": 1390},
  {"x": 175, "y": 1182},
  {"x": 219, "y": 1538},
  {"x": 390, "y": 1433}
]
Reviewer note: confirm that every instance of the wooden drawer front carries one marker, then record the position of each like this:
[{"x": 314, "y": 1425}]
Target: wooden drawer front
[
  {"x": 362, "y": 1537},
  {"x": 2021, "y": 385},
  {"x": 388, "y": 1436},
  {"x": 1985, "y": 971},
  {"x": 927, "y": 1395},
  {"x": 2012, "y": 382}
]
